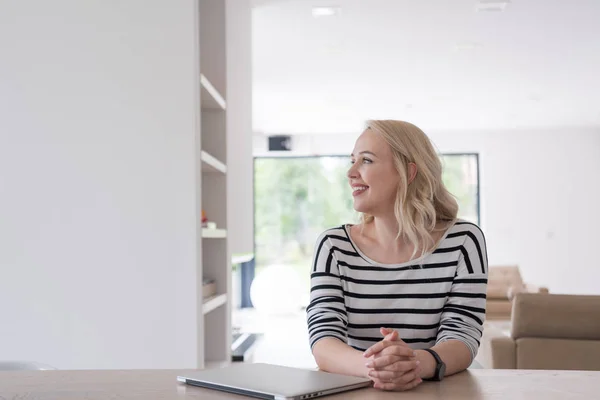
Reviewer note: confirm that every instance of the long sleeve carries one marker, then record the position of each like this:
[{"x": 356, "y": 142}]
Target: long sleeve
[
  {"x": 326, "y": 312},
  {"x": 464, "y": 312}
]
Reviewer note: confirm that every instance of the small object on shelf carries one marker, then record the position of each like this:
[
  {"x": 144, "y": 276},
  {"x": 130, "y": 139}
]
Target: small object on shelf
[
  {"x": 209, "y": 288},
  {"x": 206, "y": 223}
]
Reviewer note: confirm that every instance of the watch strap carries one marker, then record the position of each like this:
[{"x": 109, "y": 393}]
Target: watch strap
[{"x": 438, "y": 365}]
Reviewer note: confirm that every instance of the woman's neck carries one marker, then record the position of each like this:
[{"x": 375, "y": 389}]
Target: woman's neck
[{"x": 385, "y": 232}]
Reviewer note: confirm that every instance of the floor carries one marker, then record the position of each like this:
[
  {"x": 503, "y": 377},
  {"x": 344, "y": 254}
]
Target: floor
[{"x": 283, "y": 339}]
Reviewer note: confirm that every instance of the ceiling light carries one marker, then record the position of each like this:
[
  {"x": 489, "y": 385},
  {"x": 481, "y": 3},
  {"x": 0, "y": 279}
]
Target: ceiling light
[
  {"x": 491, "y": 5},
  {"x": 325, "y": 11},
  {"x": 535, "y": 98}
]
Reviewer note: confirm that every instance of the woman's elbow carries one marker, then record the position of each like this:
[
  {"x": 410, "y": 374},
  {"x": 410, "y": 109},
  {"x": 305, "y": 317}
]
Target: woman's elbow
[{"x": 318, "y": 352}]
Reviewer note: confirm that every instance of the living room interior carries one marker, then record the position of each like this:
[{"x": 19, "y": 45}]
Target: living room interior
[
  {"x": 497, "y": 84},
  {"x": 147, "y": 153}
]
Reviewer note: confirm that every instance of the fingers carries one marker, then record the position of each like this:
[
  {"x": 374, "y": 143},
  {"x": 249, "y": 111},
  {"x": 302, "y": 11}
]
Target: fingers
[
  {"x": 393, "y": 363},
  {"x": 406, "y": 382},
  {"x": 378, "y": 347},
  {"x": 398, "y": 349},
  {"x": 386, "y": 331},
  {"x": 392, "y": 376},
  {"x": 390, "y": 335},
  {"x": 395, "y": 373},
  {"x": 393, "y": 386}
]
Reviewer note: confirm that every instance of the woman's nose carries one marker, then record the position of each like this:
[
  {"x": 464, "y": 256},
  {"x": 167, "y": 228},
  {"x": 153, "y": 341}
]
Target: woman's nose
[{"x": 352, "y": 171}]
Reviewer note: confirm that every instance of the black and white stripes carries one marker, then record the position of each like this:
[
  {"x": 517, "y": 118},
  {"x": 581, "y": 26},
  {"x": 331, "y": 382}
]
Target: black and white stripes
[{"x": 438, "y": 297}]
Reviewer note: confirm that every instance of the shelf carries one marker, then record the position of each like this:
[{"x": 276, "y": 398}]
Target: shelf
[
  {"x": 213, "y": 302},
  {"x": 214, "y": 233},
  {"x": 210, "y": 97},
  {"x": 211, "y": 165}
]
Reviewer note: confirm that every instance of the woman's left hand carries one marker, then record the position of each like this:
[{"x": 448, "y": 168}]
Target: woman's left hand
[{"x": 393, "y": 365}]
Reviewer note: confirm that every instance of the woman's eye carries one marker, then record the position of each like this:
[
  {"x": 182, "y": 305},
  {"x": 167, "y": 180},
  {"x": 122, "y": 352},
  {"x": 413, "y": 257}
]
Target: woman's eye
[{"x": 362, "y": 160}]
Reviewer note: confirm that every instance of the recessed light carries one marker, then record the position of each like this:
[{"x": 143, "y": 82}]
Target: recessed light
[
  {"x": 325, "y": 11},
  {"x": 491, "y": 5}
]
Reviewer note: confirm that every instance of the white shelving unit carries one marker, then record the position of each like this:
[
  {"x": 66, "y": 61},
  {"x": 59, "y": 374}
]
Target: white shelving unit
[
  {"x": 211, "y": 98},
  {"x": 213, "y": 302},
  {"x": 208, "y": 233},
  {"x": 211, "y": 164},
  {"x": 214, "y": 258}
]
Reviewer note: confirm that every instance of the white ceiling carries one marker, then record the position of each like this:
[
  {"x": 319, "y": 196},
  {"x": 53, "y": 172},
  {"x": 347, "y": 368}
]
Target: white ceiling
[{"x": 537, "y": 64}]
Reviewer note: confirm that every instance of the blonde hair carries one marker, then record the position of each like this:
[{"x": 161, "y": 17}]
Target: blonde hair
[{"x": 425, "y": 202}]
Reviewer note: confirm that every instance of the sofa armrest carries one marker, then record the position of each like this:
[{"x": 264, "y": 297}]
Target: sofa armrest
[
  {"x": 530, "y": 288},
  {"x": 497, "y": 350}
]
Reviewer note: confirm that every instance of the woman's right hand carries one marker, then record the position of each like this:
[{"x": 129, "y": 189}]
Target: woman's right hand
[{"x": 392, "y": 364}]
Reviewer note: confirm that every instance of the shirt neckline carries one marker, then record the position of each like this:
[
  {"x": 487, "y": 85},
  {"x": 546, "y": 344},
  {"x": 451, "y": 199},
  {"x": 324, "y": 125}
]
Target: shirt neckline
[{"x": 406, "y": 263}]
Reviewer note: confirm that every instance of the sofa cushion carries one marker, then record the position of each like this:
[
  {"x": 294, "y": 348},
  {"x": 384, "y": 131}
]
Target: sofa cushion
[
  {"x": 497, "y": 291},
  {"x": 509, "y": 275},
  {"x": 496, "y": 309},
  {"x": 503, "y": 280},
  {"x": 503, "y": 353},
  {"x": 558, "y": 354},
  {"x": 557, "y": 316}
]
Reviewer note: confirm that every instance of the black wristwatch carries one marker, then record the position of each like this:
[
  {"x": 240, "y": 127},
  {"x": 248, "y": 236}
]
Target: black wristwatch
[{"x": 440, "y": 367}]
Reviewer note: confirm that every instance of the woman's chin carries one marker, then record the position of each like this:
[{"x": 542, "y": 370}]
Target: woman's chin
[{"x": 361, "y": 208}]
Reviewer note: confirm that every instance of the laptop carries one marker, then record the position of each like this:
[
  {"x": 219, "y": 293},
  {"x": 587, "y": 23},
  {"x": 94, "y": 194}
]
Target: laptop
[{"x": 267, "y": 381}]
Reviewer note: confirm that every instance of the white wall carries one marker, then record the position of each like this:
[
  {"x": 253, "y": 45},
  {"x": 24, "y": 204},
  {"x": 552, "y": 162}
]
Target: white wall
[
  {"x": 97, "y": 195},
  {"x": 539, "y": 198},
  {"x": 240, "y": 173}
]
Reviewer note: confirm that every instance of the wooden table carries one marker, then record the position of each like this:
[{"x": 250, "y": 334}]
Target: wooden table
[{"x": 162, "y": 385}]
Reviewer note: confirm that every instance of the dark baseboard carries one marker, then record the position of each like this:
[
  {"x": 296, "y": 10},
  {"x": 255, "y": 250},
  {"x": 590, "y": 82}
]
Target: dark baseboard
[{"x": 242, "y": 345}]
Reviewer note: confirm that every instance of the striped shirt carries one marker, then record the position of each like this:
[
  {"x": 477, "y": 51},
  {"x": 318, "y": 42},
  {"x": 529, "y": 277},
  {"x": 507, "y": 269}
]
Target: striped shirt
[{"x": 438, "y": 297}]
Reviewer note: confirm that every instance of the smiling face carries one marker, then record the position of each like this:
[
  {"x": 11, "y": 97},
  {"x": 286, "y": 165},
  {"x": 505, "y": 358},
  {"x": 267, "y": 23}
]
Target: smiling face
[{"x": 373, "y": 175}]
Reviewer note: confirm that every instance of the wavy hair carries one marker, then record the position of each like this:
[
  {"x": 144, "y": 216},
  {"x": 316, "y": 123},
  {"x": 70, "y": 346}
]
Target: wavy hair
[{"x": 425, "y": 202}]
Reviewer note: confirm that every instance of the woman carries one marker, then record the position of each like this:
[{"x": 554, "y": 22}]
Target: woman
[{"x": 399, "y": 297}]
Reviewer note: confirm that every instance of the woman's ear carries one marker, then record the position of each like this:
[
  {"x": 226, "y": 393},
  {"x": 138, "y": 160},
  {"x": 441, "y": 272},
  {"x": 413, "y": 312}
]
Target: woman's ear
[{"x": 412, "y": 172}]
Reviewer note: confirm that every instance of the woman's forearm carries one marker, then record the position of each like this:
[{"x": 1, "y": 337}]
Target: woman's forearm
[
  {"x": 333, "y": 355},
  {"x": 454, "y": 353}
]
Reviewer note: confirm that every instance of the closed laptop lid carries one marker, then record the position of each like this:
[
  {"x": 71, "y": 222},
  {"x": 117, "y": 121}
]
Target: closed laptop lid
[{"x": 272, "y": 381}]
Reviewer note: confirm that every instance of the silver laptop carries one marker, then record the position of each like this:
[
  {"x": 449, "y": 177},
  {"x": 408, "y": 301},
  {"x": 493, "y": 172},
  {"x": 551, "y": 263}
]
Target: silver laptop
[{"x": 266, "y": 381}]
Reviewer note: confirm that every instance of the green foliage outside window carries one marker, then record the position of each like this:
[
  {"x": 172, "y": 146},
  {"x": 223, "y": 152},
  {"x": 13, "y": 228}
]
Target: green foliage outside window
[{"x": 297, "y": 198}]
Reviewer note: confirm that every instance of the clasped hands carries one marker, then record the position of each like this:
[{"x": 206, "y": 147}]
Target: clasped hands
[{"x": 392, "y": 364}]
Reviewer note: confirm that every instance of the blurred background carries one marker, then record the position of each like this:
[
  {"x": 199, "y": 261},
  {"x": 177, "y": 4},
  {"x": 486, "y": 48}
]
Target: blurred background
[{"x": 507, "y": 90}]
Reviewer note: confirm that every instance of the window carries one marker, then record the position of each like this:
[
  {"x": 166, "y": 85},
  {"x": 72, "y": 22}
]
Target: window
[{"x": 297, "y": 198}]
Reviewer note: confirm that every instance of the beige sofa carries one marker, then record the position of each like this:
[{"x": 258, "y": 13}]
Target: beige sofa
[
  {"x": 504, "y": 282},
  {"x": 547, "y": 331}
]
